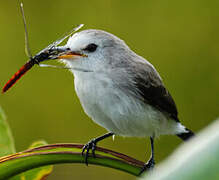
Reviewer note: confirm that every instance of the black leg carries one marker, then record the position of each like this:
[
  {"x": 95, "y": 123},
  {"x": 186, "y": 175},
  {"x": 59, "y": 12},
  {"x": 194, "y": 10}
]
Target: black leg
[
  {"x": 92, "y": 145},
  {"x": 150, "y": 164}
]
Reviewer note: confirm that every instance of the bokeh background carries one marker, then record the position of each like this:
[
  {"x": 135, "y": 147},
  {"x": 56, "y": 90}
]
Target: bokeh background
[{"x": 180, "y": 38}]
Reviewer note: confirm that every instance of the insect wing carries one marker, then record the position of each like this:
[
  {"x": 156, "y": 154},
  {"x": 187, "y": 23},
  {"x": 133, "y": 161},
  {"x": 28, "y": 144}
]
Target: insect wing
[
  {"x": 60, "y": 40},
  {"x": 66, "y": 35}
]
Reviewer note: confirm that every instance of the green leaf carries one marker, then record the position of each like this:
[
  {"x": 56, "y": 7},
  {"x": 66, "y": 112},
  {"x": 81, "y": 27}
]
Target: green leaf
[
  {"x": 6, "y": 139},
  {"x": 7, "y": 147},
  {"x": 38, "y": 173},
  {"x": 197, "y": 159}
]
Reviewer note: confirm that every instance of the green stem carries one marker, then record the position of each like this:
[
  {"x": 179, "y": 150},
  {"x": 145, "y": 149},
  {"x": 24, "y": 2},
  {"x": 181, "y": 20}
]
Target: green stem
[{"x": 65, "y": 153}]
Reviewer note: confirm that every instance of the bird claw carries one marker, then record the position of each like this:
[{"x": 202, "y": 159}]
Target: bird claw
[
  {"x": 90, "y": 145},
  {"x": 148, "y": 166}
]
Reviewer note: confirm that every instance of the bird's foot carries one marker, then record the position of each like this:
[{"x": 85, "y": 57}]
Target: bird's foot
[
  {"x": 90, "y": 145},
  {"x": 148, "y": 166}
]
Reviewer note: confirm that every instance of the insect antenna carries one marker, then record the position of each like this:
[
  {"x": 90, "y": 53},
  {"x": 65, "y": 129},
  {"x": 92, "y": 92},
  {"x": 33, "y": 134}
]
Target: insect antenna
[{"x": 27, "y": 45}]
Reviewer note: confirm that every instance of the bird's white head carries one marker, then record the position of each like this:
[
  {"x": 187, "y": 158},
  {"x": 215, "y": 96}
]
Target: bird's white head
[{"x": 93, "y": 50}]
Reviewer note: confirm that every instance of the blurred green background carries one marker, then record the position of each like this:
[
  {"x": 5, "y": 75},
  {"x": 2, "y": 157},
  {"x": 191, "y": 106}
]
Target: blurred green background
[{"x": 180, "y": 38}]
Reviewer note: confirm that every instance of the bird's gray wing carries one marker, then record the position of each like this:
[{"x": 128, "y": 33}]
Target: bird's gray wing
[{"x": 152, "y": 91}]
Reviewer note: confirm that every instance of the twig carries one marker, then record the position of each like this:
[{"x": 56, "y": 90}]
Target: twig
[{"x": 65, "y": 153}]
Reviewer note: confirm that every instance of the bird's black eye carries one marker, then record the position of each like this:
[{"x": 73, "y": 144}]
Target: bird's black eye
[{"x": 91, "y": 47}]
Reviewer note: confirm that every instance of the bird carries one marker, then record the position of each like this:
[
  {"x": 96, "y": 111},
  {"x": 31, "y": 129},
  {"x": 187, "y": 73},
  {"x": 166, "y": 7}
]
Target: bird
[{"x": 120, "y": 90}]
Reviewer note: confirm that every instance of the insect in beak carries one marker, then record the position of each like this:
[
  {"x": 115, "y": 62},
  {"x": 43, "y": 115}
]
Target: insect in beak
[{"x": 50, "y": 52}]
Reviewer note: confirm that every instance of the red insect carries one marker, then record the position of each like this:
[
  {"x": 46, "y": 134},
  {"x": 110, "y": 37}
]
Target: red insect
[
  {"x": 50, "y": 52},
  {"x": 18, "y": 75}
]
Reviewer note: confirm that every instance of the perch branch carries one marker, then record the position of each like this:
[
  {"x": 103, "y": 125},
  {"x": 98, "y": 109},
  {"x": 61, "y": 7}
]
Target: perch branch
[{"x": 65, "y": 153}]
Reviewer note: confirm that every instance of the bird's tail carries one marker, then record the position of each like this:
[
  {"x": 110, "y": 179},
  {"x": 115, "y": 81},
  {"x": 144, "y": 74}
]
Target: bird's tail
[{"x": 186, "y": 135}]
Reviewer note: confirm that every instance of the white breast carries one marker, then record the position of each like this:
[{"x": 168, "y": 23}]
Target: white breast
[{"x": 116, "y": 111}]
